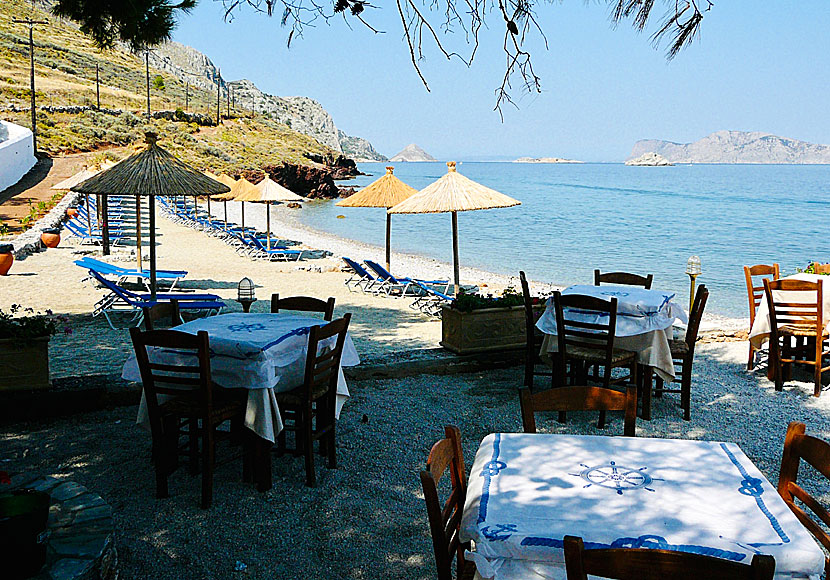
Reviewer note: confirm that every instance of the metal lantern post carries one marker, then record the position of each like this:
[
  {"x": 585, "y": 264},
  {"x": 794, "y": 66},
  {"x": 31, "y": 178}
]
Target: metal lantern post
[
  {"x": 693, "y": 270},
  {"x": 245, "y": 294}
]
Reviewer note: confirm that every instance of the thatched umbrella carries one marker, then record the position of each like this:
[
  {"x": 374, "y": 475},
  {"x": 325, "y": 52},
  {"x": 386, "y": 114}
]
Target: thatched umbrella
[
  {"x": 268, "y": 191},
  {"x": 151, "y": 172},
  {"x": 388, "y": 191},
  {"x": 240, "y": 187},
  {"x": 454, "y": 193},
  {"x": 223, "y": 197}
]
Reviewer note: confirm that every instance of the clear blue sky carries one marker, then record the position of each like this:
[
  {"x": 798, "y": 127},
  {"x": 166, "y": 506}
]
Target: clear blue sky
[{"x": 758, "y": 66}]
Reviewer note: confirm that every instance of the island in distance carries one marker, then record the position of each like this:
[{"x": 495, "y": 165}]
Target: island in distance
[
  {"x": 545, "y": 160},
  {"x": 650, "y": 159},
  {"x": 736, "y": 147},
  {"x": 412, "y": 153}
]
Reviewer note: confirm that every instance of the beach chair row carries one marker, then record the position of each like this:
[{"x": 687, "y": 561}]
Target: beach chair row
[
  {"x": 372, "y": 278},
  {"x": 247, "y": 241}
]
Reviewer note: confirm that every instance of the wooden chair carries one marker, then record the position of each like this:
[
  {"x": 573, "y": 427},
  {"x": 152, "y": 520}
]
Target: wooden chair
[
  {"x": 683, "y": 356},
  {"x": 754, "y": 275},
  {"x": 190, "y": 403},
  {"x": 821, "y": 268},
  {"x": 445, "y": 520},
  {"x": 800, "y": 318},
  {"x": 534, "y": 339},
  {"x": 309, "y": 409},
  {"x": 798, "y": 446},
  {"x": 304, "y": 304},
  {"x": 623, "y": 278},
  {"x": 579, "y": 399},
  {"x": 648, "y": 564},
  {"x": 162, "y": 311},
  {"x": 585, "y": 345}
]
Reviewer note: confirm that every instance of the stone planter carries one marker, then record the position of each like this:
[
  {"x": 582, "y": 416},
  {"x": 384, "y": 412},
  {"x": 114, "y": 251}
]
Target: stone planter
[
  {"x": 6, "y": 258},
  {"x": 24, "y": 365},
  {"x": 488, "y": 329},
  {"x": 51, "y": 237}
]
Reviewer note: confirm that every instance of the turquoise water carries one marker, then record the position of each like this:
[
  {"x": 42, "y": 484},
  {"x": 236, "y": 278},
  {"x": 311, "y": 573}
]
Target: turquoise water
[{"x": 575, "y": 218}]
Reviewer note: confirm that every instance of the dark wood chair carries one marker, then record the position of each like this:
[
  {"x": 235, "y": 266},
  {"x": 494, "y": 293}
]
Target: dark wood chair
[
  {"x": 303, "y": 304},
  {"x": 583, "y": 345},
  {"x": 648, "y": 564},
  {"x": 816, "y": 452},
  {"x": 819, "y": 268},
  {"x": 445, "y": 520},
  {"x": 683, "y": 356},
  {"x": 797, "y": 334},
  {"x": 181, "y": 400},
  {"x": 534, "y": 339},
  {"x": 623, "y": 278},
  {"x": 755, "y": 291},
  {"x": 309, "y": 410},
  {"x": 167, "y": 311},
  {"x": 579, "y": 399}
]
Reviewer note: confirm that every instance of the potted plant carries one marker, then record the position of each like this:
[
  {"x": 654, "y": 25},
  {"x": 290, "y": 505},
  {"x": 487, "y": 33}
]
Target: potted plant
[
  {"x": 479, "y": 323},
  {"x": 51, "y": 237},
  {"x": 6, "y": 258},
  {"x": 24, "y": 347}
]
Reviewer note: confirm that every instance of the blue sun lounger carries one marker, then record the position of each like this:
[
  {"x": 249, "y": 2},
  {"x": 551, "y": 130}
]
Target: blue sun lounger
[
  {"x": 91, "y": 238},
  {"x": 122, "y": 274},
  {"x": 430, "y": 300},
  {"x": 391, "y": 285},
  {"x": 359, "y": 278}
]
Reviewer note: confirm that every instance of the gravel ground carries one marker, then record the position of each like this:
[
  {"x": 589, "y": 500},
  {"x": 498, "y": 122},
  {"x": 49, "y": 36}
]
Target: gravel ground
[{"x": 366, "y": 519}]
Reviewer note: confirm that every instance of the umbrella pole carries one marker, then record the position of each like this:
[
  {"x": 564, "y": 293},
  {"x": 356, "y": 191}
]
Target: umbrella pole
[
  {"x": 456, "y": 269},
  {"x": 243, "y": 218},
  {"x": 388, "y": 240},
  {"x": 152, "y": 248},
  {"x": 138, "y": 231},
  {"x": 268, "y": 222},
  {"x": 88, "y": 216},
  {"x": 225, "y": 203},
  {"x": 208, "y": 210},
  {"x": 105, "y": 226}
]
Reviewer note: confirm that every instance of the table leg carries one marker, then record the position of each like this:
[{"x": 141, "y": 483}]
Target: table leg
[
  {"x": 647, "y": 380},
  {"x": 262, "y": 463}
]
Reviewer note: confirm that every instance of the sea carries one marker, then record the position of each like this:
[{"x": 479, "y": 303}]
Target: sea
[{"x": 574, "y": 218}]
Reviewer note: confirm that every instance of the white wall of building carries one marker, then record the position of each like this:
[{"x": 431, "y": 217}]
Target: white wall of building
[{"x": 17, "y": 155}]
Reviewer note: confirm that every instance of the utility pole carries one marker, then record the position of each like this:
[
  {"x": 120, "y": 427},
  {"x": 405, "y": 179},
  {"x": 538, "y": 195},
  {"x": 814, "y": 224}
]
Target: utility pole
[
  {"x": 147, "y": 70},
  {"x": 218, "y": 94},
  {"x": 31, "y": 24},
  {"x": 97, "y": 87},
  {"x": 228, "y": 95},
  {"x": 233, "y": 100},
  {"x": 187, "y": 97}
]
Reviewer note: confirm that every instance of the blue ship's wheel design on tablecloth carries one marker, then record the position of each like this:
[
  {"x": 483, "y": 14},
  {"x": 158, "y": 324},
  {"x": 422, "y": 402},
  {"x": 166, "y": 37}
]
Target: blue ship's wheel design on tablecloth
[
  {"x": 246, "y": 327},
  {"x": 619, "y": 293},
  {"x": 616, "y": 477}
]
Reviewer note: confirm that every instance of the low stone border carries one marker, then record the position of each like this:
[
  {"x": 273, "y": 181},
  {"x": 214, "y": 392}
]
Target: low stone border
[
  {"x": 28, "y": 242},
  {"x": 81, "y": 543}
]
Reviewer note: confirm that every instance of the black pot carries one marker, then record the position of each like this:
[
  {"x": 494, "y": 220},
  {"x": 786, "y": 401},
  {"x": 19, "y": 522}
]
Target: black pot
[
  {"x": 6, "y": 248},
  {"x": 55, "y": 231},
  {"x": 23, "y": 517}
]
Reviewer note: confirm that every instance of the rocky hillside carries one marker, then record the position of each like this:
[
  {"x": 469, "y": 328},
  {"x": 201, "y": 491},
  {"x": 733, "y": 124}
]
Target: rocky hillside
[
  {"x": 412, "y": 153},
  {"x": 300, "y": 113},
  {"x": 736, "y": 147}
]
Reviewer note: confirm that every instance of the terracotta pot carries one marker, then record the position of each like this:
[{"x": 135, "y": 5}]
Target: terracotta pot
[
  {"x": 71, "y": 212},
  {"x": 6, "y": 258},
  {"x": 50, "y": 238}
]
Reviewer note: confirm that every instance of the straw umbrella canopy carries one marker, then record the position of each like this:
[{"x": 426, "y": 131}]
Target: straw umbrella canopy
[
  {"x": 240, "y": 188},
  {"x": 269, "y": 191},
  {"x": 151, "y": 172},
  {"x": 454, "y": 193},
  {"x": 388, "y": 191},
  {"x": 223, "y": 197}
]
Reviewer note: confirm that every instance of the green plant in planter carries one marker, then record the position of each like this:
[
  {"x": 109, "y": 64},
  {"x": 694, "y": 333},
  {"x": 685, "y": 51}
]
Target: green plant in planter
[
  {"x": 31, "y": 324},
  {"x": 810, "y": 269},
  {"x": 468, "y": 302}
]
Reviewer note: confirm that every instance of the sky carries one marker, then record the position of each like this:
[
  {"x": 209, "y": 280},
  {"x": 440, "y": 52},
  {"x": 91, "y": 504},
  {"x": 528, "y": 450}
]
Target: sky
[{"x": 757, "y": 66}]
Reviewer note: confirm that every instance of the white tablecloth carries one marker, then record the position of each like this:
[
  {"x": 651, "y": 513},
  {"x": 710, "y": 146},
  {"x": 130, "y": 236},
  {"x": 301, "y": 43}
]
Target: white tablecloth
[
  {"x": 644, "y": 323},
  {"x": 263, "y": 353},
  {"x": 526, "y": 492},
  {"x": 759, "y": 333}
]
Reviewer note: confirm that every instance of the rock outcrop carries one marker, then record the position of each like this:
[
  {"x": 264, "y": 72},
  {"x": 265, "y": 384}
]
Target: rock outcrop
[
  {"x": 412, "y": 153},
  {"x": 358, "y": 148},
  {"x": 650, "y": 159},
  {"x": 736, "y": 147}
]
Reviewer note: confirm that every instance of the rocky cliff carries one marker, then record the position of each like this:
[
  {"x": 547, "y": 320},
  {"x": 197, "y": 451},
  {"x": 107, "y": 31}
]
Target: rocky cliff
[
  {"x": 412, "y": 153},
  {"x": 736, "y": 147},
  {"x": 302, "y": 114}
]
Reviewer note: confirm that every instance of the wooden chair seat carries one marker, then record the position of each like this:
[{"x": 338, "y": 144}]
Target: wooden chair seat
[
  {"x": 619, "y": 357},
  {"x": 678, "y": 348},
  {"x": 795, "y": 329},
  {"x": 296, "y": 396}
]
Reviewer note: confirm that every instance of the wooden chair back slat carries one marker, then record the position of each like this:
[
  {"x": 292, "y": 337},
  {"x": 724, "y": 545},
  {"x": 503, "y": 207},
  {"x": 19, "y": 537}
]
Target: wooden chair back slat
[
  {"x": 445, "y": 519},
  {"x": 576, "y": 333},
  {"x": 755, "y": 290},
  {"x": 624, "y": 278},
  {"x": 804, "y": 309},
  {"x": 323, "y": 363},
  {"x": 303, "y": 304},
  {"x": 799, "y": 446},
  {"x": 579, "y": 399},
  {"x": 695, "y": 317},
  {"x": 163, "y": 310},
  {"x": 648, "y": 564}
]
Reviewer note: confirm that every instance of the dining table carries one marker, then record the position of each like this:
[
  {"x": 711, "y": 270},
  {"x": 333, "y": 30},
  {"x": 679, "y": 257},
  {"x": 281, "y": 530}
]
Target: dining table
[
  {"x": 263, "y": 353},
  {"x": 526, "y": 492}
]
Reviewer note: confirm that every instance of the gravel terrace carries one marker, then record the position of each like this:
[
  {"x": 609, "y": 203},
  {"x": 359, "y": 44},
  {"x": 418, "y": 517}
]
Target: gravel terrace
[{"x": 366, "y": 519}]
